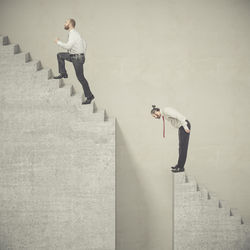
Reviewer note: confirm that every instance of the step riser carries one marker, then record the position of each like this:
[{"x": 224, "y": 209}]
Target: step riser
[
  {"x": 202, "y": 209},
  {"x": 45, "y": 107},
  {"x": 41, "y": 122},
  {"x": 198, "y": 202},
  {"x": 23, "y": 104},
  {"x": 43, "y": 75},
  {"x": 4, "y": 40},
  {"x": 211, "y": 221},
  {"x": 9, "y": 50},
  {"x": 15, "y": 60},
  {"x": 186, "y": 188},
  {"x": 15, "y": 72}
]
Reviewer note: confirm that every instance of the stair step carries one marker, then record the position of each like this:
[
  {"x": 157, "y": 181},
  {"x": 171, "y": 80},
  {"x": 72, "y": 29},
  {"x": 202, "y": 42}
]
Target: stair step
[
  {"x": 35, "y": 65},
  {"x": 20, "y": 66},
  {"x": 15, "y": 61},
  {"x": 179, "y": 178},
  {"x": 11, "y": 109},
  {"x": 51, "y": 118},
  {"x": 190, "y": 196},
  {"x": 201, "y": 207},
  {"x": 210, "y": 219},
  {"x": 196, "y": 200},
  {"x": 4, "y": 40},
  {"x": 55, "y": 107},
  {"x": 9, "y": 49},
  {"x": 38, "y": 94},
  {"x": 186, "y": 187},
  {"x": 43, "y": 74},
  {"x": 84, "y": 116},
  {"x": 22, "y": 57}
]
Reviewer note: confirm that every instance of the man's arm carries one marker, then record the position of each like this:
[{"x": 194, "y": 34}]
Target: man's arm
[{"x": 67, "y": 45}]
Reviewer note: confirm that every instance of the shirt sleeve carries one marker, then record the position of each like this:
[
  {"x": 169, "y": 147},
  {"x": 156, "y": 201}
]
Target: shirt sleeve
[
  {"x": 67, "y": 45},
  {"x": 175, "y": 114}
]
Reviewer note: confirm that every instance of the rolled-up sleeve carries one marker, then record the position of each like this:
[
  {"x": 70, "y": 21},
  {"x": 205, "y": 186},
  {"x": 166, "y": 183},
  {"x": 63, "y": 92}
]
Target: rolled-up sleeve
[{"x": 67, "y": 45}]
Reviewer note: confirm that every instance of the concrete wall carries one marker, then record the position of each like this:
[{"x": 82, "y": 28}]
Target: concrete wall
[{"x": 192, "y": 55}]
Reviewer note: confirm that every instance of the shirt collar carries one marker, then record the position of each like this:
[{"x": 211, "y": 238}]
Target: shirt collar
[{"x": 162, "y": 114}]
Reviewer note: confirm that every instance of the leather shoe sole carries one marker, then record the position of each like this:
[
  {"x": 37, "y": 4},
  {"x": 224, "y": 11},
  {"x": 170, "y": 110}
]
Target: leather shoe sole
[
  {"x": 178, "y": 170},
  {"x": 89, "y": 100},
  {"x": 60, "y": 76}
]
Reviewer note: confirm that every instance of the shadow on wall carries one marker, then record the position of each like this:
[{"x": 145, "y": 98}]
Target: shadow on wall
[{"x": 131, "y": 208}]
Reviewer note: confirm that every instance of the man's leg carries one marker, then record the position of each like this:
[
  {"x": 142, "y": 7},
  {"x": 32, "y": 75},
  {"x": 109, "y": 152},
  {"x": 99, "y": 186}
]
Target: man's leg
[
  {"x": 78, "y": 62},
  {"x": 183, "y": 146},
  {"x": 61, "y": 57}
]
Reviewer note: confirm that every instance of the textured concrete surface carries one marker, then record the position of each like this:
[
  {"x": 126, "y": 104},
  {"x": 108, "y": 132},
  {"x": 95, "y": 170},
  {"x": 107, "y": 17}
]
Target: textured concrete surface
[
  {"x": 201, "y": 221},
  {"x": 193, "y": 55},
  {"x": 57, "y": 158}
]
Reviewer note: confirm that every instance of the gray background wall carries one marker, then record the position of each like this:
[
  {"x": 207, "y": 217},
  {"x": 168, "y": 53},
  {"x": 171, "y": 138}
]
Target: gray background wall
[{"x": 193, "y": 55}]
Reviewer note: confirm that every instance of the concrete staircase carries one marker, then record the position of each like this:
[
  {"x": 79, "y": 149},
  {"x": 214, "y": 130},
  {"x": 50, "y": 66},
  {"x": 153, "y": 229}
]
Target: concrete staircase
[
  {"x": 203, "y": 222},
  {"x": 57, "y": 161}
]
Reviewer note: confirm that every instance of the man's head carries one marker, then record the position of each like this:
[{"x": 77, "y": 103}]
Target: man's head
[
  {"x": 155, "y": 112},
  {"x": 69, "y": 24}
]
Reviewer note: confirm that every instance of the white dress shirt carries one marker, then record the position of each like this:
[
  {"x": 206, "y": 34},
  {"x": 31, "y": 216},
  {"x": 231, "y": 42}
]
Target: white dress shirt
[
  {"x": 75, "y": 44},
  {"x": 176, "y": 119}
]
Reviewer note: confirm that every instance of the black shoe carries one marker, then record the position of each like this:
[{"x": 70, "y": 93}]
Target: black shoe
[
  {"x": 175, "y": 167},
  {"x": 177, "y": 170},
  {"x": 61, "y": 76},
  {"x": 89, "y": 100}
]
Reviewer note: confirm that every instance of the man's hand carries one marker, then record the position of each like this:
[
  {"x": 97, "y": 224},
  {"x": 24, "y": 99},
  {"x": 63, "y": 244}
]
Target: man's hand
[
  {"x": 57, "y": 39},
  {"x": 187, "y": 130}
]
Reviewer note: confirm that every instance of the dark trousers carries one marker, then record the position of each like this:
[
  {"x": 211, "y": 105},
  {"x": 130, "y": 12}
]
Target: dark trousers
[
  {"x": 183, "y": 145},
  {"x": 78, "y": 61}
]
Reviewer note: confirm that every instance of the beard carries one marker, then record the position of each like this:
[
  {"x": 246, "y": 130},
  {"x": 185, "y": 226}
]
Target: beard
[{"x": 66, "y": 27}]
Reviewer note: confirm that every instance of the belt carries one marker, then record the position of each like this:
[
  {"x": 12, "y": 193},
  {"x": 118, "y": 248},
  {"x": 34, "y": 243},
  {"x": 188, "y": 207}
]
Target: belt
[{"x": 82, "y": 54}]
